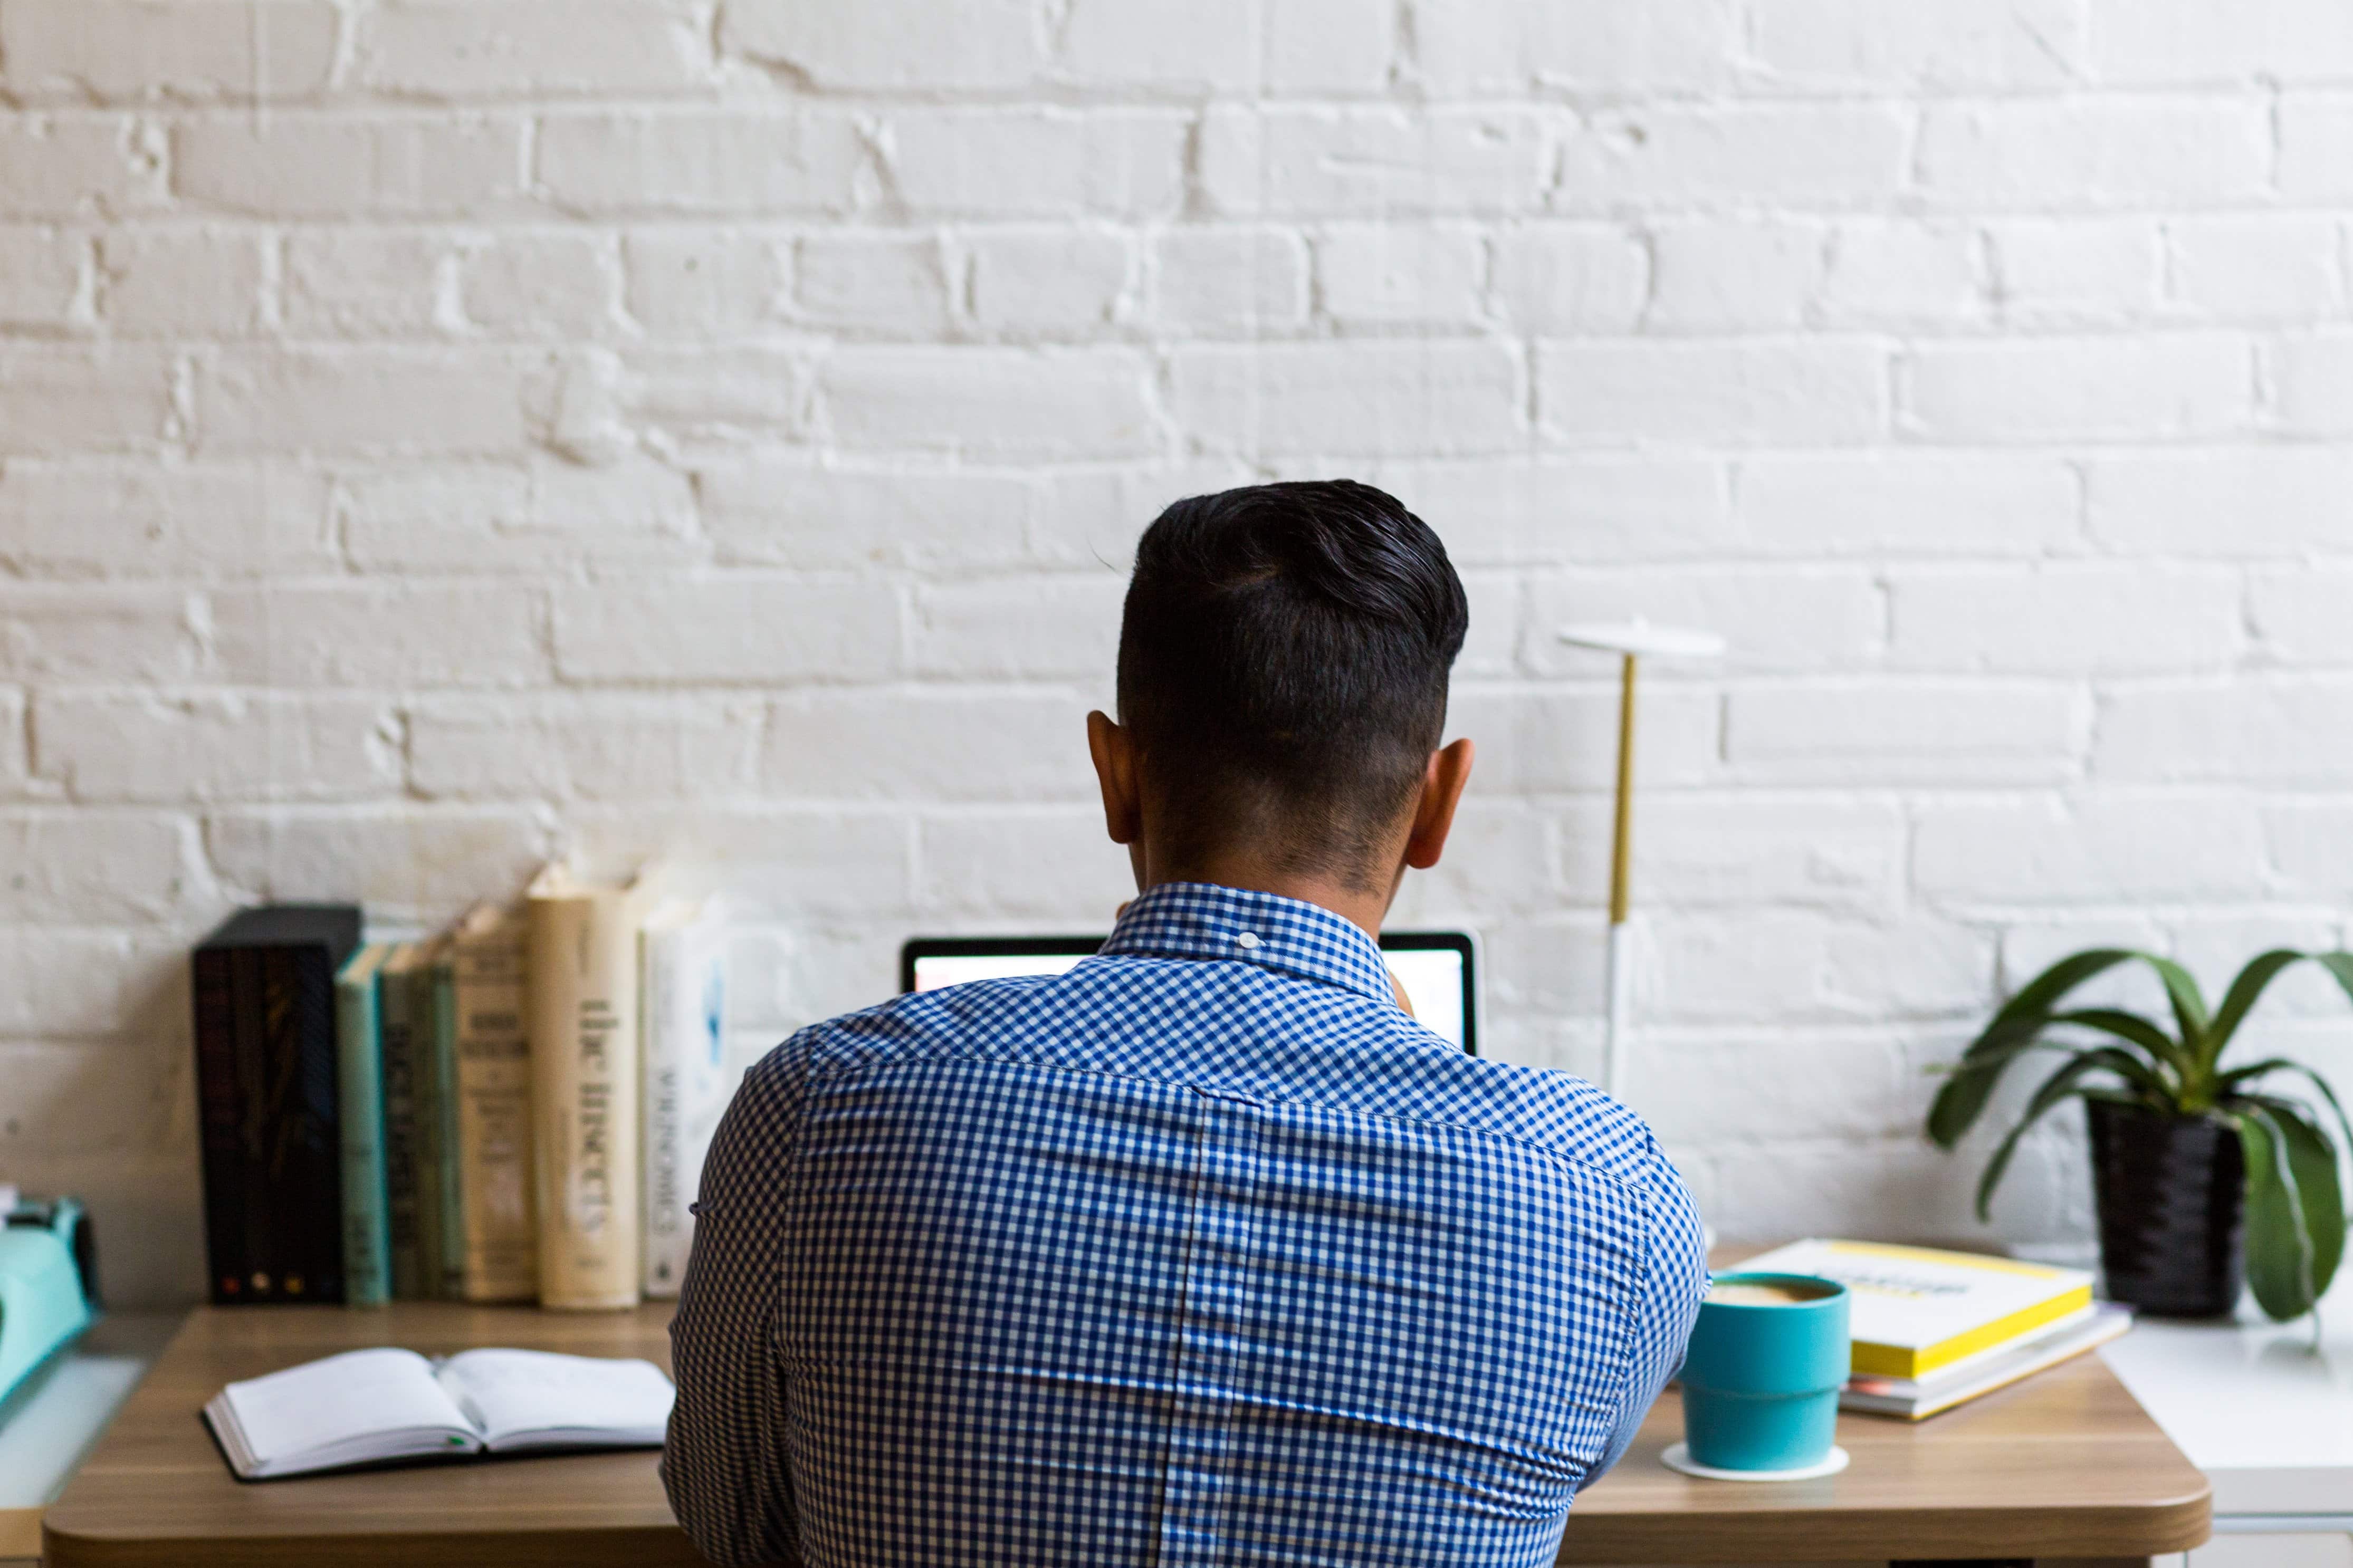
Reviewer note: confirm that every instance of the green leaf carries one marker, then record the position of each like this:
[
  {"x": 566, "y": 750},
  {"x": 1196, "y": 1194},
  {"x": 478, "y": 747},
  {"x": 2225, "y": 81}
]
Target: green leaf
[
  {"x": 2279, "y": 1243},
  {"x": 2056, "y": 1087},
  {"x": 2229, "y": 1083},
  {"x": 2246, "y": 990},
  {"x": 1962, "y": 1097},
  {"x": 2130, "y": 1028},
  {"x": 2188, "y": 1010},
  {"x": 2340, "y": 965},
  {"x": 2039, "y": 995},
  {"x": 2320, "y": 1195},
  {"x": 2015, "y": 1028},
  {"x": 2149, "y": 1085}
]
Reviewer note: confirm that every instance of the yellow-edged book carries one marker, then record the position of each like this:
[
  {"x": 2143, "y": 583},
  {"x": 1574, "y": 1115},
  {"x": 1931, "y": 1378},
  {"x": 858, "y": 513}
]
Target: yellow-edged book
[{"x": 1915, "y": 1309}]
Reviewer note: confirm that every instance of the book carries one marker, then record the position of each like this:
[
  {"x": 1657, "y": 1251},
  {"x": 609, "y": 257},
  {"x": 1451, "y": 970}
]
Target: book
[
  {"x": 1916, "y": 1309},
  {"x": 583, "y": 1025},
  {"x": 386, "y": 1405},
  {"x": 493, "y": 1103},
  {"x": 266, "y": 1067},
  {"x": 682, "y": 995},
  {"x": 397, "y": 1008},
  {"x": 1917, "y": 1399},
  {"x": 359, "y": 1115},
  {"x": 437, "y": 1060}
]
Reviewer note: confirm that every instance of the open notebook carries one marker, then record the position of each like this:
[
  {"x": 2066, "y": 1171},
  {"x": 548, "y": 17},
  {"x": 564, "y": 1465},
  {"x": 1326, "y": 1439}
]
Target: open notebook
[{"x": 372, "y": 1406}]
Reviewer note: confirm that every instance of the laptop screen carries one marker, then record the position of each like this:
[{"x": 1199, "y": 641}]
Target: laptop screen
[{"x": 1439, "y": 970}]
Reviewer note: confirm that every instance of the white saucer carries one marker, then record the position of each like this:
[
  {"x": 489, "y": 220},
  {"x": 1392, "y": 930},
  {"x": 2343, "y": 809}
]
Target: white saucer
[{"x": 1678, "y": 1458}]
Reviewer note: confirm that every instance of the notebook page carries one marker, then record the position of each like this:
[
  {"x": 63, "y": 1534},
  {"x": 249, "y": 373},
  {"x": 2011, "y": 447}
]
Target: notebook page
[
  {"x": 539, "y": 1399},
  {"x": 344, "y": 1409}
]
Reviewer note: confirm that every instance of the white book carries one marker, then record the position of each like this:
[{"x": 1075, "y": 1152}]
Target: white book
[
  {"x": 1917, "y": 1399},
  {"x": 375, "y": 1406},
  {"x": 682, "y": 997}
]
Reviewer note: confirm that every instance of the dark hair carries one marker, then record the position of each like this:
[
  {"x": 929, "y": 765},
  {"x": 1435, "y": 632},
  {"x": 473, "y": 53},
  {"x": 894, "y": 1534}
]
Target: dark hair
[{"x": 1282, "y": 666}]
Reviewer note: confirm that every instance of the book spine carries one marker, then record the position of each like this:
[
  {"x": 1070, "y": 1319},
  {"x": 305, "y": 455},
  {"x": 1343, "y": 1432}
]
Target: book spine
[
  {"x": 448, "y": 1174},
  {"x": 219, "y": 1114},
  {"x": 424, "y": 1077},
  {"x": 584, "y": 1056},
  {"x": 501, "y": 1239},
  {"x": 359, "y": 1095},
  {"x": 400, "y": 1151},
  {"x": 685, "y": 1013}
]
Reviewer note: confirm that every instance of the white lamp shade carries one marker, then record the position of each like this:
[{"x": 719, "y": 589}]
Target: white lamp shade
[{"x": 1643, "y": 638}]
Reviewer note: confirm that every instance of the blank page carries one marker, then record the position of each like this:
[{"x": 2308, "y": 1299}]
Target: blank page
[
  {"x": 346, "y": 1409},
  {"x": 534, "y": 1399}
]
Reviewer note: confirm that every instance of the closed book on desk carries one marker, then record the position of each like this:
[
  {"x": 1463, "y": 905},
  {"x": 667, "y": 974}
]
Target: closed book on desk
[
  {"x": 582, "y": 1023},
  {"x": 1918, "y": 1308},
  {"x": 267, "y": 1065},
  {"x": 493, "y": 1104},
  {"x": 682, "y": 995},
  {"x": 359, "y": 1091},
  {"x": 1973, "y": 1376}
]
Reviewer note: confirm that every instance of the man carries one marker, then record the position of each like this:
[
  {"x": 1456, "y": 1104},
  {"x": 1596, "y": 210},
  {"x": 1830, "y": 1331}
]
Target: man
[{"x": 1204, "y": 1252}]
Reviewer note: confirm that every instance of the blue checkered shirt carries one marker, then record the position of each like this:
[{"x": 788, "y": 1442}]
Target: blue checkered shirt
[{"x": 1204, "y": 1252}]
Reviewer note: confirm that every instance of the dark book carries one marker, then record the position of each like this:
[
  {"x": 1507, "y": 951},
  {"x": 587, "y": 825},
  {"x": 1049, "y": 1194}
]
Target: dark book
[
  {"x": 266, "y": 1097},
  {"x": 404, "y": 1152}
]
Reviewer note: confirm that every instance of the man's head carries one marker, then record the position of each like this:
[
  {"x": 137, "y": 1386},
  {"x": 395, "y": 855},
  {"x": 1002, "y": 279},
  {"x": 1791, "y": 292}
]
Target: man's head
[{"x": 1283, "y": 675}]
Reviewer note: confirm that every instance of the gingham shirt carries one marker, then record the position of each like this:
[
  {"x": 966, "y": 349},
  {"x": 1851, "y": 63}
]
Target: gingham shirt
[{"x": 1204, "y": 1252}]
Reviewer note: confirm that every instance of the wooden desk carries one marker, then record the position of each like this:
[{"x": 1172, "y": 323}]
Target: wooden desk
[{"x": 2063, "y": 1466}]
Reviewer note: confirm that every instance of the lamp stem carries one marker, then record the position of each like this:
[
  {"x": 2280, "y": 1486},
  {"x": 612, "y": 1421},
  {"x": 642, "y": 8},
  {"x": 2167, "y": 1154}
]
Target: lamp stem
[{"x": 1621, "y": 851}]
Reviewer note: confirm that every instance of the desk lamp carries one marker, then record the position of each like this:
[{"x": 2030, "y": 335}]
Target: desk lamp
[{"x": 1631, "y": 640}]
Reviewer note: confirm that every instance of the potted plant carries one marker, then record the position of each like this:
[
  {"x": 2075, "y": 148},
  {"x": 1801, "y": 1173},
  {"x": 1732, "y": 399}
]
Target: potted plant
[{"x": 2196, "y": 1172}]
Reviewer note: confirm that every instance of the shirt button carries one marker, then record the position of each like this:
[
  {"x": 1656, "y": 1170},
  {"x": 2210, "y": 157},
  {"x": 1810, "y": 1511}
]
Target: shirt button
[{"x": 1246, "y": 942}]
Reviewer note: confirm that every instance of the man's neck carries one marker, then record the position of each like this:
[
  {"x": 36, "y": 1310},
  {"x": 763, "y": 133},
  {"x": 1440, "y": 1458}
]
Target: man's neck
[{"x": 1359, "y": 906}]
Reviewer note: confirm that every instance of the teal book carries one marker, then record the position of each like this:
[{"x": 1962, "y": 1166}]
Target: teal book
[
  {"x": 359, "y": 1090},
  {"x": 441, "y": 1058},
  {"x": 402, "y": 1162}
]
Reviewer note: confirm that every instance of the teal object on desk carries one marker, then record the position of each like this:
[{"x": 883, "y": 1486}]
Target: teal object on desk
[
  {"x": 1761, "y": 1382},
  {"x": 45, "y": 1303}
]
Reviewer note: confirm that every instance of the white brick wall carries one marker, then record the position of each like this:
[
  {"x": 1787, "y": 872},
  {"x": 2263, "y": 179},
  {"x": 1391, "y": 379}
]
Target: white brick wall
[{"x": 434, "y": 435}]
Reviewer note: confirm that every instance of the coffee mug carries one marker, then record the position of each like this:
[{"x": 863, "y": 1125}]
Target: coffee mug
[{"x": 1762, "y": 1373}]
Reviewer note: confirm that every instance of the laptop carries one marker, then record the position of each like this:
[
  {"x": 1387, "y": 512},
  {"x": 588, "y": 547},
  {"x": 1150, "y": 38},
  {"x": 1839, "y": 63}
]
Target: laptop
[{"x": 1438, "y": 969}]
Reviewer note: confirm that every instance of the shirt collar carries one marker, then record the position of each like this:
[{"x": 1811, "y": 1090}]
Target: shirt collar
[{"x": 1201, "y": 919}]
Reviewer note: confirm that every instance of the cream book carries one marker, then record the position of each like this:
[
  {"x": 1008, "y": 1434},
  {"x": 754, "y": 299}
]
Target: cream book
[
  {"x": 498, "y": 1223},
  {"x": 583, "y": 1024},
  {"x": 1915, "y": 1309},
  {"x": 682, "y": 999},
  {"x": 384, "y": 1406}
]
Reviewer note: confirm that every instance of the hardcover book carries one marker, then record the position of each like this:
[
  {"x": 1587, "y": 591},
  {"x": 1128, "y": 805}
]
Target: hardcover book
[
  {"x": 359, "y": 1088},
  {"x": 439, "y": 1062},
  {"x": 583, "y": 1024},
  {"x": 396, "y": 1006},
  {"x": 494, "y": 1100},
  {"x": 267, "y": 1067},
  {"x": 683, "y": 1004}
]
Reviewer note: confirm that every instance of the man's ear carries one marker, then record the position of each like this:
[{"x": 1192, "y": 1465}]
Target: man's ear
[
  {"x": 1113, "y": 750},
  {"x": 1441, "y": 791}
]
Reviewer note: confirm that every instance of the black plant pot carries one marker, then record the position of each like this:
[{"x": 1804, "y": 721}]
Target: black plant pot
[{"x": 2172, "y": 1193}]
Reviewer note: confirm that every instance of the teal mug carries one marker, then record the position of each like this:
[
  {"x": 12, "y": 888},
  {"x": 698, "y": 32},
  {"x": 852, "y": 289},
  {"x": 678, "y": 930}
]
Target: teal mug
[{"x": 1762, "y": 1373}]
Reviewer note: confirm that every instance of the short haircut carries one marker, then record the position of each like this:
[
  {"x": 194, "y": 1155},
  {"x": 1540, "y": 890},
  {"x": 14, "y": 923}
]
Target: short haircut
[{"x": 1282, "y": 668}]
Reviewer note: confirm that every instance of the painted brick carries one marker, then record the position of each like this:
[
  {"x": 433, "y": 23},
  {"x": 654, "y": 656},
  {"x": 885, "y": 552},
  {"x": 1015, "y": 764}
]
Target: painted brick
[
  {"x": 890, "y": 285},
  {"x": 2312, "y": 132},
  {"x": 991, "y": 402},
  {"x": 180, "y": 282},
  {"x": 369, "y": 283},
  {"x": 2060, "y": 389},
  {"x": 588, "y": 747},
  {"x": 1576, "y": 511},
  {"x": 1903, "y": 273},
  {"x": 151, "y": 48},
  {"x": 1773, "y": 619},
  {"x": 1015, "y": 865},
  {"x": 889, "y": 44},
  {"x": 1675, "y": 46},
  {"x": 1008, "y": 747},
  {"x": 1090, "y": 519},
  {"x": 1053, "y": 283},
  {"x": 334, "y": 166},
  {"x": 564, "y": 287},
  {"x": 2119, "y": 847},
  {"x": 1805, "y": 392},
  {"x": 702, "y": 282},
  {"x": 379, "y": 634},
  {"x": 2294, "y": 733},
  {"x": 1330, "y": 46},
  {"x": 2166, "y": 42},
  {"x": 1389, "y": 275},
  {"x": 403, "y": 864},
  {"x": 1208, "y": 44},
  {"x": 2266, "y": 267},
  {"x": 57, "y": 399},
  {"x": 1548, "y": 741},
  {"x": 734, "y": 630},
  {"x": 2277, "y": 501},
  {"x": 1863, "y": 1090},
  {"x": 1885, "y": 730},
  {"x": 1781, "y": 851},
  {"x": 1432, "y": 397},
  {"x": 457, "y": 48},
  {"x": 43, "y": 281},
  {"x": 1570, "y": 278},
  {"x": 2102, "y": 153},
  {"x": 1372, "y": 162},
  {"x": 2311, "y": 845},
  {"x": 94, "y": 867},
  {"x": 1031, "y": 628},
  {"x": 1035, "y": 163},
  {"x": 167, "y": 746},
  {"x": 786, "y": 864},
  {"x": 693, "y": 161},
  {"x": 2075, "y": 269},
  {"x": 1889, "y": 503},
  {"x": 1229, "y": 282},
  {"x": 1500, "y": 864},
  {"x": 15, "y": 764},
  {"x": 362, "y": 401},
  {"x": 725, "y": 394},
  {"x": 89, "y": 632},
  {"x": 1807, "y": 154},
  {"x": 2297, "y": 613},
  {"x": 1734, "y": 276},
  {"x": 2099, "y": 620},
  {"x": 2311, "y": 383},
  {"x": 794, "y": 514},
  {"x": 80, "y": 166},
  {"x": 522, "y": 518},
  {"x": 85, "y": 983},
  {"x": 1930, "y": 44}
]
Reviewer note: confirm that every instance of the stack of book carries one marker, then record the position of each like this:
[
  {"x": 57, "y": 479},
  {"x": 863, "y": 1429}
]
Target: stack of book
[
  {"x": 515, "y": 1109},
  {"x": 1933, "y": 1330}
]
